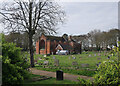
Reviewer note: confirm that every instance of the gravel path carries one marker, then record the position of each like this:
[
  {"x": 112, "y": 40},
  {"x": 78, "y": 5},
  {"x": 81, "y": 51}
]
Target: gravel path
[{"x": 53, "y": 74}]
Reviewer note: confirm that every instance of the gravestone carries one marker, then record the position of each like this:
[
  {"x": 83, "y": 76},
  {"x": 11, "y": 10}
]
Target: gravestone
[
  {"x": 56, "y": 62},
  {"x": 94, "y": 54},
  {"x": 39, "y": 59},
  {"x": 89, "y": 55},
  {"x": 98, "y": 54},
  {"x": 98, "y": 58},
  {"x": 85, "y": 65},
  {"x": 35, "y": 61},
  {"x": 52, "y": 53},
  {"x": 59, "y": 75},
  {"x": 73, "y": 57},
  {"x": 74, "y": 63},
  {"x": 46, "y": 62},
  {"x": 53, "y": 57},
  {"x": 45, "y": 55}
]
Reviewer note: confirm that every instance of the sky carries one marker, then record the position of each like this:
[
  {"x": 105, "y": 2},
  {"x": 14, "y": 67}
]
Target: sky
[{"x": 84, "y": 16}]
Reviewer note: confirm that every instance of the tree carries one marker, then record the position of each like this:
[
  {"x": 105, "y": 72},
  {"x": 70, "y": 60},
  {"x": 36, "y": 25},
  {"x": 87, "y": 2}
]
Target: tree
[
  {"x": 21, "y": 40},
  {"x": 30, "y": 17}
]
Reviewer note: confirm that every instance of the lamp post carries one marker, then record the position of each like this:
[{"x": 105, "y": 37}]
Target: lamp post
[{"x": 117, "y": 40}]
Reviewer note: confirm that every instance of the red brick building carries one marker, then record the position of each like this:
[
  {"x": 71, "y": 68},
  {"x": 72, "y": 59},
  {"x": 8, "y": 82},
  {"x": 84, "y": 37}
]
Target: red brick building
[{"x": 50, "y": 44}]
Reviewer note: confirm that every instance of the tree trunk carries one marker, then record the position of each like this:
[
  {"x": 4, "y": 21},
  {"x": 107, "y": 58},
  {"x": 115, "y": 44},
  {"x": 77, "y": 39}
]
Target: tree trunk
[
  {"x": 31, "y": 35},
  {"x": 31, "y": 50}
]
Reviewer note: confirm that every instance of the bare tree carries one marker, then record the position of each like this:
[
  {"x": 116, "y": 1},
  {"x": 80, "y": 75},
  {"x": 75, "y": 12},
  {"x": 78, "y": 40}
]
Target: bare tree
[{"x": 30, "y": 17}]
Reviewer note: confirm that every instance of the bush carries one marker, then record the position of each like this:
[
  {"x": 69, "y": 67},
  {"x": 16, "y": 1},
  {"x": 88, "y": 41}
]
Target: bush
[
  {"x": 13, "y": 65},
  {"x": 107, "y": 73},
  {"x": 85, "y": 82}
]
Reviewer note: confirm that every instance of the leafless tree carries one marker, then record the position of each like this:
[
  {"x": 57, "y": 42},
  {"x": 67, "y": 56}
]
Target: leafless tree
[{"x": 30, "y": 17}]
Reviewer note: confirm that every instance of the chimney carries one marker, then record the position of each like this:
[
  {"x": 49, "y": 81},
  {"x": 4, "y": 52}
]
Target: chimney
[{"x": 69, "y": 38}]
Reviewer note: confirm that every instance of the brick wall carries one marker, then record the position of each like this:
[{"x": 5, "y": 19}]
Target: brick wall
[{"x": 37, "y": 47}]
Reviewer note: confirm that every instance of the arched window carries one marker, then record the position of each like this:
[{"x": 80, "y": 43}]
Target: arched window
[{"x": 42, "y": 44}]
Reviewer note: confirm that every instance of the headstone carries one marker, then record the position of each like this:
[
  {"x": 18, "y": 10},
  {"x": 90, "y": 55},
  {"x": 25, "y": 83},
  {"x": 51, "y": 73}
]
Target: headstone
[
  {"x": 52, "y": 53},
  {"x": 53, "y": 57},
  {"x": 39, "y": 59},
  {"x": 59, "y": 75},
  {"x": 45, "y": 55},
  {"x": 56, "y": 62},
  {"x": 74, "y": 63},
  {"x": 98, "y": 54},
  {"x": 46, "y": 62},
  {"x": 89, "y": 55},
  {"x": 73, "y": 57},
  {"x": 35, "y": 61},
  {"x": 94, "y": 54},
  {"x": 98, "y": 58},
  {"x": 85, "y": 65}
]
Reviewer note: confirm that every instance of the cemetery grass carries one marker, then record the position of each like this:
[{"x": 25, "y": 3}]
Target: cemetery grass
[
  {"x": 65, "y": 62},
  {"x": 47, "y": 81}
]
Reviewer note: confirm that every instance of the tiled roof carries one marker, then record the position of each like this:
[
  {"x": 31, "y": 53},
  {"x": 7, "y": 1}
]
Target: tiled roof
[
  {"x": 52, "y": 38},
  {"x": 66, "y": 46}
]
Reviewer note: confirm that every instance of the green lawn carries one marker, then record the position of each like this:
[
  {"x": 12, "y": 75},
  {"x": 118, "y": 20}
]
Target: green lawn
[
  {"x": 65, "y": 64},
  {"x": 47, "y": 81}
]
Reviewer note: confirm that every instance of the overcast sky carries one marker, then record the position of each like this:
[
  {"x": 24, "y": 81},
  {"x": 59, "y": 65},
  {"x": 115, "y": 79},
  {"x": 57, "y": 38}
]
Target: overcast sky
[{"x": 82, "y": 17}]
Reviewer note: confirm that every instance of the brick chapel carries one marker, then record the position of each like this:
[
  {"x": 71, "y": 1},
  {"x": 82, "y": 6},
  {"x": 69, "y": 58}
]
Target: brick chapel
[{"x": 50, "y": 44}]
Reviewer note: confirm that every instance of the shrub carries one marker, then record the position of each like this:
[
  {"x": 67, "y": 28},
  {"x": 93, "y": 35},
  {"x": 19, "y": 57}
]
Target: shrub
[
  {"x": 107, "y": 73},
  {"x": 13, "y": 65}
]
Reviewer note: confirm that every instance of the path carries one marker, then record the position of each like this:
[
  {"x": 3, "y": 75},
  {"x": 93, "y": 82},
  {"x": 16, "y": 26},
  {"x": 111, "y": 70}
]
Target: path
[{"x": 53, "y": 74}]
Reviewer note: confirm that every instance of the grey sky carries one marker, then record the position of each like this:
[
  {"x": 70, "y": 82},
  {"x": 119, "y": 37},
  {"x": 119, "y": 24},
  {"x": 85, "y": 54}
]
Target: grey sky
[{"x": 83, "y": 17}]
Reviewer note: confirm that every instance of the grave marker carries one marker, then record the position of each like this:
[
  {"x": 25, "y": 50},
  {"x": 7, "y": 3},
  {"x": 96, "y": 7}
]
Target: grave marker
[
  {"x": 59, "y": 75},
  {"x": 85, "y": 65},
  {"x": 73, "y": 57},
  {"x": 45, "y": 55},
  {"x": 53, "y": 57},
  {"x": 94, "y": 54},
  {"x": 89, "y": 55},
  {"x": 74, "y": 63},
  {"x": 56, "y": 62},
  {"x": 46, "y": 62}
]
